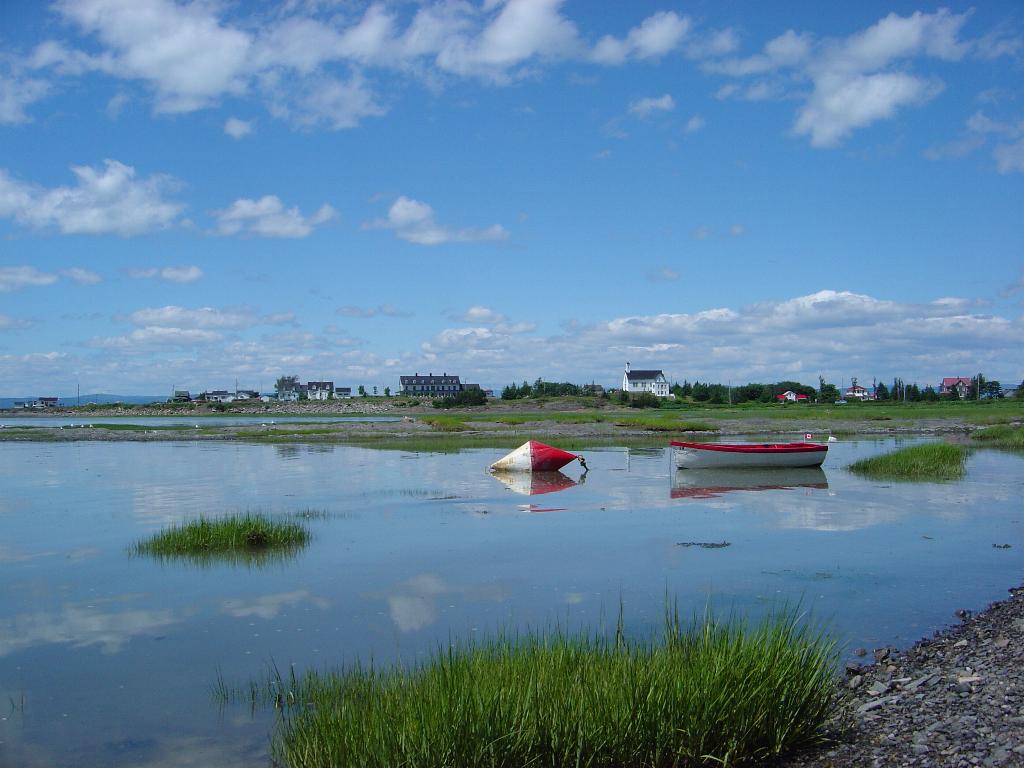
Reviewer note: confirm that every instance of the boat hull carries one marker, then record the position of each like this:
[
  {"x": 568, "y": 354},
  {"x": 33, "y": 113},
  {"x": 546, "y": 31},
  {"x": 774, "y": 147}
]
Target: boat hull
[
  {"x": 740, "y": 455},
  {"x": 533, "y": 456}
]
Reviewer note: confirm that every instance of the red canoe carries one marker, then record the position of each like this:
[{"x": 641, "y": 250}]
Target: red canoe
[{"x": 533, "y": 457}]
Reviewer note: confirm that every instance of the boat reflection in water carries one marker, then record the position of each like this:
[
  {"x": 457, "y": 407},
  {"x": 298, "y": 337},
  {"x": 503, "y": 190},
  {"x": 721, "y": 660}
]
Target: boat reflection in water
[
  {"x": 533, "y": 483},
  {"x": 712, "y": 483}
]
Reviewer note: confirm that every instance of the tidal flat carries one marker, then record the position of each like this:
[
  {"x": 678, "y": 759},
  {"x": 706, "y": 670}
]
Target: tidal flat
[{"x": 110, "y": 658}]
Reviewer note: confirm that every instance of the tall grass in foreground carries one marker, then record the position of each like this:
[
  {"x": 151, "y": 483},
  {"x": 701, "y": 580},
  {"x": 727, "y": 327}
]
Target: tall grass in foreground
[
  {"x": 711, "y": 693},
  {"x": 1001, "y": 436},
  {"x": 931, "y": 461},
  {"x": 246, "y": 534}
]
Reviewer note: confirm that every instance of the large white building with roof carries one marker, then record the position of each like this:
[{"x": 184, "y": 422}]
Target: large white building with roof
[{"x": 637, "y": 381}]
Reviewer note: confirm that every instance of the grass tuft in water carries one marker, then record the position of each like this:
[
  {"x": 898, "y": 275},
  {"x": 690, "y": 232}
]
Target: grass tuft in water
[
  {"x": 931, "y": 461},
  {"x": 1001, "y": 436},
  {"x": 708, "y": 693},
  {"x": 234, "y": 534}
]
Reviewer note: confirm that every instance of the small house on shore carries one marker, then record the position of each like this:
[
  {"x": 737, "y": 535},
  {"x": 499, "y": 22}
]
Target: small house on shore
[
  {"x": 320, "y": 390},
  {"x": 956, "y": 386},
  {"x": 789, "y": 396}
]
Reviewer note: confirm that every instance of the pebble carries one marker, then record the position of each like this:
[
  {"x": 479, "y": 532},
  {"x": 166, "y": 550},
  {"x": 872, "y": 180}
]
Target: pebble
[{"x": 951, "y": 701}]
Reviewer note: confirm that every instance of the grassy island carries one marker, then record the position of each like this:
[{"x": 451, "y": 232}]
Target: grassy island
[
  {"x": 931, "y": 461},
  {"x": 708, "y": 694},
  {"x": 244, "y": 534},
  {"x": 1001, "y": 436}
]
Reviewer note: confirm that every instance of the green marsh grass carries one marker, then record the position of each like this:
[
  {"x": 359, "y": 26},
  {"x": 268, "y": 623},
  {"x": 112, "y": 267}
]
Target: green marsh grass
[
  {"x": 654, "y": 423},
  {"x": 445, "y": 423},
  {"x": 930, "y": 461},
  {"x": 1001, "y": 436},
  {"x": 711, "y": 693},
  {"x": 248, "y": 536}
]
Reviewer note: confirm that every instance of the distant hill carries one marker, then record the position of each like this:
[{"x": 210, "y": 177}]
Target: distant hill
[{"x": 8, "y": 402}]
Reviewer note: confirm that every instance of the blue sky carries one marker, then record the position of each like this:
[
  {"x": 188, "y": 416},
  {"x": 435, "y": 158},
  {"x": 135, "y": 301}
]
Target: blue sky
[{"x": 194, "y": 193}]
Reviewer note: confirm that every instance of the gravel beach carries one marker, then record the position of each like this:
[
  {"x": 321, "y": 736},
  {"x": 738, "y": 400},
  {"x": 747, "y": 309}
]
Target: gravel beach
[{"x": 953, "y": 700}]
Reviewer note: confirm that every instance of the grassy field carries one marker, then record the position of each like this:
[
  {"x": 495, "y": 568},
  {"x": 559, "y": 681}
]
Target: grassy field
[
  {"x": 710, "y": 693},
  {"x": 931, "y": 461}
]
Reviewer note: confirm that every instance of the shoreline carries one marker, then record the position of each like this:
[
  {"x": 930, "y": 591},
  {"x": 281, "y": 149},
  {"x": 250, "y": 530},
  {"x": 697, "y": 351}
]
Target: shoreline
[
  {"x": 955, "y": 699},
  {"x": 503, "y": 422}
]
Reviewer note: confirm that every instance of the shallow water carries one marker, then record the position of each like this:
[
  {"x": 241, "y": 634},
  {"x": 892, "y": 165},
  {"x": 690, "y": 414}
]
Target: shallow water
[
  {"x": 108, "y": 659},
  {"x": 178, "y": 421}
]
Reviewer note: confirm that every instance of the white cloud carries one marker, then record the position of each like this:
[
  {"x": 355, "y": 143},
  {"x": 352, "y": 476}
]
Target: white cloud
[
  {"x": 311, "y": 63},
  {"x": 413, "y": 221},
  {"x": 16, "y": 278},
  {"x": 720, "y": 42},
  {"x": 183, "y": 51},
  {"x": 236, "y": 128},
  {"x": 81, "y": 276},
  {"x": 1010, "y": 157},
  {"x": 656, "y": 36},
  {"x": 382, "y": 310},
  {"x": 522, "y": 30},
  {"x": 981, "y": 123},
  {"x": 663, "y": 275},
  {"x": 108, "y": 200},
  {"x": 955, "y": 148},
  {"x": 856, "y": 81},
  {"x": 183, "y": 274},
  {"x": 268, "y": 217},
  {"x": 172, "y": 316},
  {"x": 788, "y": 50},
  {"x": 13, "y": 324},
  {"x": 694, "y": 124},
  {"x": 322, "y": 100},
  {"x": 116, "y": 105},
  {"x": 484, "y": 315},
  {"x": 142, "y": 339},
  {"x": 646, "y": 106},
  {"x": 18, "y": 93}
]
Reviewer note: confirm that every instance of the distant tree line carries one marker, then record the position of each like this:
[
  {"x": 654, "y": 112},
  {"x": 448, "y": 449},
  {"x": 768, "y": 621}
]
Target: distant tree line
[
  {"x": 541, "y": 388},
  {"x": 466, "y": 397}
]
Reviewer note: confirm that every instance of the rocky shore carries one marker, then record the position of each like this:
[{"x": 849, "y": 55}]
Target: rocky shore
[{"x": 953, "y": 700}]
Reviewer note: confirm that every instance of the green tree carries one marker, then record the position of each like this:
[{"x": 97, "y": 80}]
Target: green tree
[
  {"x": 387, "y": 391},
  {"x": 827, "y": 393},
  {"x": 644, "y": 400},
  {"x": 465, "y": 398},
  {"x": 362, "y": 391},
  {"x": 881, "y": 391},
  {"x": 992, "y": 389},
  {"x": 286, "y": 384}
]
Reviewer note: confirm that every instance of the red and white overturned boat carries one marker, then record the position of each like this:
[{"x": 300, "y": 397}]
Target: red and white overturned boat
[
  {"x": 533, "y": 457},
  {"x": 763, "y": 455}
]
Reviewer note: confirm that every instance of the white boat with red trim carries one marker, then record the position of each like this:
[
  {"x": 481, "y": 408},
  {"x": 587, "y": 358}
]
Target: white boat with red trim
[
  {"x": 763, "y": 455},
  {"x": 533, "y": 456}
]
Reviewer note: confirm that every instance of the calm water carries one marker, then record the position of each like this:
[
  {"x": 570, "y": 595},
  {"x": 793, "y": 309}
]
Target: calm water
[
  {"x": 107, "y": 659},
  {"x": 178, "y": 421}
]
